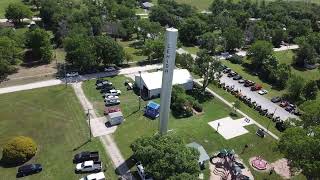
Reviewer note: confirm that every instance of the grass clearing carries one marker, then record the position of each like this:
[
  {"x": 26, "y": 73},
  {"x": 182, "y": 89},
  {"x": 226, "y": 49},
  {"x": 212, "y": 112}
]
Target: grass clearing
[
  {"x": 191, "y": 129},
  {"x": 191, "y": 50},
  {"x": 54, "y": 118},
  {"x": 129, "y": 48}
]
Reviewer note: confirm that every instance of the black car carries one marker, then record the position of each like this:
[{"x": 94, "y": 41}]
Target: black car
[
  {"x": 226, "y": 70},
  {"x": 237, "y": 77},
  {"x": 86, "y": 156},
  {"x": 276, "y": 99},
  {"x": 29, "y": 169},
  {"x": 232, "y": 74}
]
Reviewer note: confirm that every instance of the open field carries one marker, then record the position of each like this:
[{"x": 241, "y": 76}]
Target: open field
[
  {"x": 191, "y": 129},
  {"x": 134, "y": 52},
  {"x": 55, "y": 120}
]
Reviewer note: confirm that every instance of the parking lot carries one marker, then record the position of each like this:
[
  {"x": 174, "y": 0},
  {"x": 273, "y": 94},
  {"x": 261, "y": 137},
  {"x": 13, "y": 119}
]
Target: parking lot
[{"x": 259, "y": 99}]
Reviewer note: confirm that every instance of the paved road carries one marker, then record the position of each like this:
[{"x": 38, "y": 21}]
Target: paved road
[
  {"x": 282, "y": 48},
  {"x": 240, "y": 112},
  {"x": 110, "y": 146},
  {"x": 261, "y": 100}
]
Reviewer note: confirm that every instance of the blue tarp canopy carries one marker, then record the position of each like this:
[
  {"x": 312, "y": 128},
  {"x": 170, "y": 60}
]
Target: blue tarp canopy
[
  {"x": 153, "y": 105},
  {"x": 152, "y": 110}
]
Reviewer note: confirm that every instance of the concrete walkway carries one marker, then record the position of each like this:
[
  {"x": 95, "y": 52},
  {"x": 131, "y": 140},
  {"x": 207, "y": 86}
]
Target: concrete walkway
[
  {"x": 240, "y": 112},
  {"x": 110, "y": 146}
]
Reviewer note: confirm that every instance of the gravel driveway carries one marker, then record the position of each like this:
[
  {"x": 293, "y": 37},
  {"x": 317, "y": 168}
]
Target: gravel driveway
[{"x": 262, "y": 101}]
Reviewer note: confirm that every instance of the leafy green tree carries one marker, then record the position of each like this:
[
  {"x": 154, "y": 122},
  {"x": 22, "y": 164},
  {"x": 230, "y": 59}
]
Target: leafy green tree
[
  {"x": 301, "y": 147},
  {"x": 147, "y": 27},
  {"x": 310, "y": 90},
  {"x": 39, "y": 41},
  {"x": 191, "y": 29},
  {"x": 259, "y": 52},
  {"x": 128, "y": 57},
  {"x": 311, "y": 113},
  {"x": 295, "y": 87},
  {"x": 278, "y": 35},
  {"x": 108, "y": 51},
  {"x": 17, "y": 11},
  {"x": 234, "y": 38},
  {"x": 209, "y": 41},
  {"x": 207, "y": 67},
  {"x": 306, "y": 54},
  {"x": 185, "y": 61},
  {"x": 128, "y": 25},
  {"x": 124, "y": 12},
  {"x": 282, "y": 75},
  {"x": 153, "y": 49},
  {"x": 10, "y": 51},
  {"x": 153, "y": 154}
]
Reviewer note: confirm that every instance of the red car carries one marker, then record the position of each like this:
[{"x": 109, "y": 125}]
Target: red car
[
  {"x": 257, "y": 87},
  {"x": 111, "y": 110},
  {"x": 284, "y": 104}
]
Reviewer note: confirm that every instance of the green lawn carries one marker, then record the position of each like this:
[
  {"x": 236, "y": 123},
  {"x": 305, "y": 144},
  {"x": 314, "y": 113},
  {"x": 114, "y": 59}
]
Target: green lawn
[
  {"x": 54, "y": 118},
  {"x": 192, "y": 50},
  {"x": 195, "y": 128},
  {"x": 130, "y": 49}
]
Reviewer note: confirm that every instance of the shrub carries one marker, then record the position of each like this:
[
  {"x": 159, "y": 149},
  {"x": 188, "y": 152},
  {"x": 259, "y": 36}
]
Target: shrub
[
  {"x": 18, "y": 150},
  {"x": 235, "y": 59},
  {"x": 197, "y": 106}
]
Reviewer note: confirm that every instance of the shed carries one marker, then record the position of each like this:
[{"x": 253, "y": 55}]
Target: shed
[
  {"x": 150, "y": 83},
  {"x": 147, "y": 5},
  {"x": 203, "y": 154},
  {"x": 152, "y": 110},
  {"x": 115, "y": 118}
]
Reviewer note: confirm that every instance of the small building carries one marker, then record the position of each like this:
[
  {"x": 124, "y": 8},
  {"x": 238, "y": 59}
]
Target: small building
[
  {"x": 147, "y": 5},
  {"x": 150, "y": 86},
  {"x": 203, "y": 154},
  {"x": 152, "y": 110},
  {"x": 115, "y": 118}
]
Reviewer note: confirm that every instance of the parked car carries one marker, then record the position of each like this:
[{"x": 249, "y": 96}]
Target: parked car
[
  {"x": 111, "y": 110},
  {"x": 95, "y": 176},
  {"x": 104, "y": 84},
  {"x": 232, "y": 74},
  {"x": 262, "y": 92},
  {"x": 143, "y": 175},
  {"x": 29, "y": 169},
  {"x": 115, "y": 91},
  {"x": 289, "y": 109},
  {"x": 257, "y": 87},
  {"x": 129, "y": 86},
  {"x": 107, "y": 98},
  {"x": 237, "y": 77},
  {"x": 109, "y": 69},
  {"x": 98, "y": 81},
  {"x": 86, "y": 156},
  {"x": 106, "y": 89},
  {"x": 112, "y": 102},
  {"x": 284, "y": 103},
  {"x": 226, "y": 70},
  {"x": 248, "y": 83},
  {"x": 241, "y": 81},
  {"x": 276, "y": 99},
  {"x": 89, "y": 166}
]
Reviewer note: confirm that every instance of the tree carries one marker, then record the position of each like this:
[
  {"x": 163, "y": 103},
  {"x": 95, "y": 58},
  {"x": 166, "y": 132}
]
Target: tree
[
  {"x": 128, "y": 26},
  {"x": 209, "y": 41},
  {"x": 128, "y": 57},
  {"x": 301, "y": 147},
  {"x": 234, "y": 38},
  {"x": 17, "y": 11},
  {"x": 259, "y": 52},
  {"x": 282, "y": 74},
  {"x": 295, "y": 87},
  {"x": 39, "y": 41},
  {"x": 153, "y": 49},
  {"x": 153, "y": 154},
  {"x": 311, "y": 113},
  {"x": 148, "y": 28},
  {"x": 191, "y": 29},
  {"x": 185, "y": 61},
  {"x": 310, "y": 90},
  {"x": 305, "y": 55},
  {"x": 108, "y": 51},
  {"x": 207, "y": 67},
  {"x": 278, "y": 35},
  {"x": 18, "y": 150}
]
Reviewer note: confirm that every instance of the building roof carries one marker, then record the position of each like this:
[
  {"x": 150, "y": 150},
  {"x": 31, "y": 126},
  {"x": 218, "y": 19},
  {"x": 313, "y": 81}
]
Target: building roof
[
  {"x": 153, "y": 105},
  {"x": 203, "y": 154},
  {"x": 154, "y": 80},
  {"x": 115, "y": 114}
]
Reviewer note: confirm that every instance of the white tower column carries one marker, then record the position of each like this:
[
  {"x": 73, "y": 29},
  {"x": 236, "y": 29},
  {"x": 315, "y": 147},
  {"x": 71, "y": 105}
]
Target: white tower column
[{"x": 167, "y": 76}]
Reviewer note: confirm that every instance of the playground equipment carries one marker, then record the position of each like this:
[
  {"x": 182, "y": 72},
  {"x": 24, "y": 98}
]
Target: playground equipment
[{"x": 259, "y": 163}]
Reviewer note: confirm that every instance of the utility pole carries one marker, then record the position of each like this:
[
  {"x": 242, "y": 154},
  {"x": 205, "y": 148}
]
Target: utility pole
[
  {"x": 140, "y": 90},
  {"x": 88, "y": 115},
  {"x": 65, "y": 74}
]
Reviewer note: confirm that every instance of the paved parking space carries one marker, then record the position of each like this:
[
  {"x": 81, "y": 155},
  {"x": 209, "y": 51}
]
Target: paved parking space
[
  {"x": 99, "y": 128},
  {"x": 262, "y": 101}
]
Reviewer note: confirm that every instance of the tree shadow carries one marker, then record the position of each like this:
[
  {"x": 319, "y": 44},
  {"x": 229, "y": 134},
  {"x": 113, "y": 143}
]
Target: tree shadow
[
  {"x": 134, "y": 112},
  {"x": 136, "y": 44},
  {"x": 81, "y": 145},
  {"x": 11, "y": 165},
  {"x": 197, "y": 93},
  {"x": 129, "y": 163},
  {"x": 30, "y": 60}
]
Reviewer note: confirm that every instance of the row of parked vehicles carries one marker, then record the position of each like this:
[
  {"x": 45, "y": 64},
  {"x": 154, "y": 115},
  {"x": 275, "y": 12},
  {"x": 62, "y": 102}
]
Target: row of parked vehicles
[
  {"x": 88, "y": 162},
  {"x": 291, "y": 108},
  {"x": 247, "y": 83},
  {"x": 109, "y": 93}
]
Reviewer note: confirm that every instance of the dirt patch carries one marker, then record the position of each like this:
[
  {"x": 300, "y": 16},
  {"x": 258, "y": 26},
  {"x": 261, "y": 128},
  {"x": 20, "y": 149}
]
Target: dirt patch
[{"x": 282, "y": 168}]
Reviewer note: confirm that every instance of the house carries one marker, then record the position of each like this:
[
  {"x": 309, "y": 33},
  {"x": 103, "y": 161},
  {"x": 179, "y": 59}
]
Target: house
[
  {"x": 147, "y": 5},
  {"x": 203, "y": 154},
  {"x": 150, "y": 83}
]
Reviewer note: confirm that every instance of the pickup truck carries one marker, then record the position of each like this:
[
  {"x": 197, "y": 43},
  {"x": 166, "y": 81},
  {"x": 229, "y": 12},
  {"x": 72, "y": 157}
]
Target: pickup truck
[
  {"x": 88, "y": 166},
  {"x": 86, "y": 156}
]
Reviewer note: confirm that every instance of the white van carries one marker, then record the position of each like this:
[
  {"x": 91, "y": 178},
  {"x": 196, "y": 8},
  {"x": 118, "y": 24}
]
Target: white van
[{"x": 96, "y": 176}]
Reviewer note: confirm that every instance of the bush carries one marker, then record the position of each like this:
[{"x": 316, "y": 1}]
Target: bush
[
  {"x": 19, "y": 150},
  {"x": 197, "y": 106},
  {"x": 235, "y": 59}
]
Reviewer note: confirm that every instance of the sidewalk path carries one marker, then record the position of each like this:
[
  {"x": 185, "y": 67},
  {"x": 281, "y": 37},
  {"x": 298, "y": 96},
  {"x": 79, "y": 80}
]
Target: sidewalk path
[
  {"x": 30, "y": 86},
  {"x": 240, "y": 112},
  {"x": 110, "y": 146}
]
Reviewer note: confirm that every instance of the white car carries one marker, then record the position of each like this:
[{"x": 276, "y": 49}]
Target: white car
[
  {"x": 115, "y": 91},
  {"x": 95, "y": 176},
  {"x": 111, "y": 98},
  {"x": 109, "y": 69},
  {"x": 143, "y": 175},
  {"x": 262, "y": 92}
]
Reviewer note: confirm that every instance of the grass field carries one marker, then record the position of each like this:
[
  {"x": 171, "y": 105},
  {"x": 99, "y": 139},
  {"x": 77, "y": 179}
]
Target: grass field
[
  {"x": 190, "y": 129},
  {"x": 55, "y": 120},
  {"x": 134, "y": 52}
]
